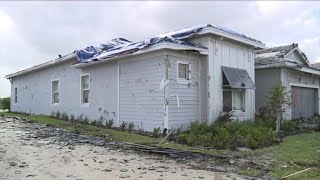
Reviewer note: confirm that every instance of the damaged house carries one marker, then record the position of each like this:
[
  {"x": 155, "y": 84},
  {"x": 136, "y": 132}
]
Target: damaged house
[
  {"x": 288, "y": 66},
  {"x": 167, "y": 81}
]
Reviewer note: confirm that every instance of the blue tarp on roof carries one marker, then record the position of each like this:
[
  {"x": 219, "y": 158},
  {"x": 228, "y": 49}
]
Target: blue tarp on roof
[{"x": 120, "y": 46}]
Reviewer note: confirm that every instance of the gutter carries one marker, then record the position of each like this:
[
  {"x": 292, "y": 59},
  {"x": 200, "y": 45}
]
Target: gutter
[
  {"x": 42, "y": 66},
  {"x": 286, "y": 65}
]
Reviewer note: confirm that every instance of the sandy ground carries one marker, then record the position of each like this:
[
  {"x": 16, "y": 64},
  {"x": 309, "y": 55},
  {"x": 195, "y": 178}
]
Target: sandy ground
[{"x": 22, "y": 158}]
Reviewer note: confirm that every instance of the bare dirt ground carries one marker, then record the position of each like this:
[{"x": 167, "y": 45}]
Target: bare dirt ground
[{"x": 33, "y": 158}]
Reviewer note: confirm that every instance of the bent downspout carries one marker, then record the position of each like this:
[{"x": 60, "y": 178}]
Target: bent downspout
[{"x": 164, "y": 85}]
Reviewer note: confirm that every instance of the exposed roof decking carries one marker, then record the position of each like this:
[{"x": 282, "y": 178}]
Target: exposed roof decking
[{"x": 276, "y": 57}]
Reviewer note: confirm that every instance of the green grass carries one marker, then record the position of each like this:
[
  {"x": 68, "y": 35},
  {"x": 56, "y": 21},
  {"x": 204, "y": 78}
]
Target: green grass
[{"x": 296, "y": 152}]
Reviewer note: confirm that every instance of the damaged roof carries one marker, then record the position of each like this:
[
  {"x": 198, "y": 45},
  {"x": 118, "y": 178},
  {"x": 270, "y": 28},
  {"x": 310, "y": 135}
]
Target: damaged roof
[
  {"x": 278, "y": 52},
  {"x": 120, "y": 46},
  {"x": 278, "y": 55}
]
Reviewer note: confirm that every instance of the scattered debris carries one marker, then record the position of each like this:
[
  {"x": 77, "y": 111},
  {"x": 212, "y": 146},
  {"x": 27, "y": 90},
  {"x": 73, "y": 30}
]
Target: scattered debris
[
  {"x": 295, "y": 173},
  {"x": 13, "y": 163}
]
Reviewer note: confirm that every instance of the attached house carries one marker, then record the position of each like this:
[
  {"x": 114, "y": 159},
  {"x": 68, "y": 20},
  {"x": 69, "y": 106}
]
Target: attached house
[
  {"x": 167, "y": 81},
  {"x": 288, "y": 66}
]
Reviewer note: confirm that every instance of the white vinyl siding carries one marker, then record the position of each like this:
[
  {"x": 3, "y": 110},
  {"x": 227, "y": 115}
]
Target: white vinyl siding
[
  {"x": 141, "y": 101},
  {"x": 189, "y": 101},
  {"x": 85, "y": 89},
  {"x": 55, "y": 91}
]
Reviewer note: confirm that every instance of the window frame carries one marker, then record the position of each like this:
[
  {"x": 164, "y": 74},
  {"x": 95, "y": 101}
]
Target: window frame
[
  {"x": 15, "y": 95},
  {"x": 81, "y": 91},
  {"x": 52, "y": 92},
  {"x": 184, "y": 80},
  {"x": 243, "y": 92}
]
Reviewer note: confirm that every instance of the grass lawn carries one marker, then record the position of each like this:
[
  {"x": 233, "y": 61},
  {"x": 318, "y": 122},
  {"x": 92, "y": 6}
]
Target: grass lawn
[
  {"x": 297, "y": 153},
  {"x": 294, "y": 154}
]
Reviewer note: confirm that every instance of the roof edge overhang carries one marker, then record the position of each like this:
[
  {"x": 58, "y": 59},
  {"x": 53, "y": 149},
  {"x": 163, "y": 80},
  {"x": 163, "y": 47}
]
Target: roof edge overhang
[
  {"x": 290, "y": 66},
  {"x": 210, "y": 30},
  {"x": 161, "y": 46},
  {"x": 42, "y": 66}
]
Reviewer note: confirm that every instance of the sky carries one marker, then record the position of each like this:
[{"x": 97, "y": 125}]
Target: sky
[{"x": 36, "y": 32}]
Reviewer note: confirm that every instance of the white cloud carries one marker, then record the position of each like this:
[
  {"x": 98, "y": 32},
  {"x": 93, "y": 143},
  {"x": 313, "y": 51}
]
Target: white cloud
[{"x": 34, "y": 32}]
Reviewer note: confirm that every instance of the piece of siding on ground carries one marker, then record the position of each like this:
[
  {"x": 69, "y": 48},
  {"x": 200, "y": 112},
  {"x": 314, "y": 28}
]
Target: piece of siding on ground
[
  {"x": 189, "y": 99},
  {"x": 141, "y": 100}
]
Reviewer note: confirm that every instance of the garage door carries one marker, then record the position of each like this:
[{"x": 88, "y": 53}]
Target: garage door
[{"x": 304, "y": 102}]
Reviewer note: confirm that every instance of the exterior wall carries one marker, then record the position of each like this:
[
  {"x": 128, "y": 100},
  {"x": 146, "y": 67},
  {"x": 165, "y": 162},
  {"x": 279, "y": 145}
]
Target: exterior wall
[
  {"x": 34, "y": 91},
  {"x": 130, "y": 86},
  {"x": 265, "y": 79},
  {"x": 296, "y": 78},
  {"x": 188, "y": 94},
  {"x": 224, "y": 52},
  {"x": 295, "y": 57},
  {"x": 141, "y": 99}
]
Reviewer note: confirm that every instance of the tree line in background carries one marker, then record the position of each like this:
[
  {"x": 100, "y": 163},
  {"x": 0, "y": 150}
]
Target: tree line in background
[{"x": 5, "y": 103}]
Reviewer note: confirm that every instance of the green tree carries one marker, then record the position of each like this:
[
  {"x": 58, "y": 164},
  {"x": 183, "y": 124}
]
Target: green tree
[
  {"x": 278, "y": 100},
  {"x": 5, "y": 103}
]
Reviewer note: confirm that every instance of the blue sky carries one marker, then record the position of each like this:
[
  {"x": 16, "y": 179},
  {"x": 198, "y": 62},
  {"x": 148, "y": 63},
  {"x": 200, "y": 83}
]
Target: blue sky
[{"x": 35, "y": 32}]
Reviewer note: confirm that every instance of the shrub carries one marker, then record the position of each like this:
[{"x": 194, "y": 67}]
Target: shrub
[
  {"x": 266, "y": 122},
  {"x": 289, "y": 125},
  {"x": 85, "y": 120},
  {"x": 109, "y": 123},
  {"x": 72, "y": 118},
  {"x": 156, "y": 132},
  {"x": 131, "y": 127},
  {"x": 230, "y": 135},
  {"x": 80, "y": 118},
  {"x": 123, "y": 126},
  {"x": 94, "y": 122},
  {"x": 172, "y": 136},
  {"x": 53, "y": 114},
  {"x": 5, "y": 103},
  {"x": 64, "y": 116},
  {"x": 100, "y": 121},
  {"x": 226, "y": 115},
  {"x": 221, "y": 139},
  {"x": 141, "y": 131},
  {"x": 58, "y": 115},
  {"x": 182, "y": 138}
]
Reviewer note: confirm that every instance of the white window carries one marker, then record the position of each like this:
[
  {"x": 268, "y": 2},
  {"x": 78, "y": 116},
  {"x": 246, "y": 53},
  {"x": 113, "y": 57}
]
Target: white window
[
  {"x": 234, "y": 99},
  {"x": 15, "y": 95},
  {"x": 55, "y": 91},
  {"x": 85, "y": 89},
  {"x": 184, "y": 72}
]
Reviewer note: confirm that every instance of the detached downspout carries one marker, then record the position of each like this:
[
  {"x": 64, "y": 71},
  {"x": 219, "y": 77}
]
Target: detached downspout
[
  {"x": 164, "y": 85},
  {"x": 166, "y": 93}
]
